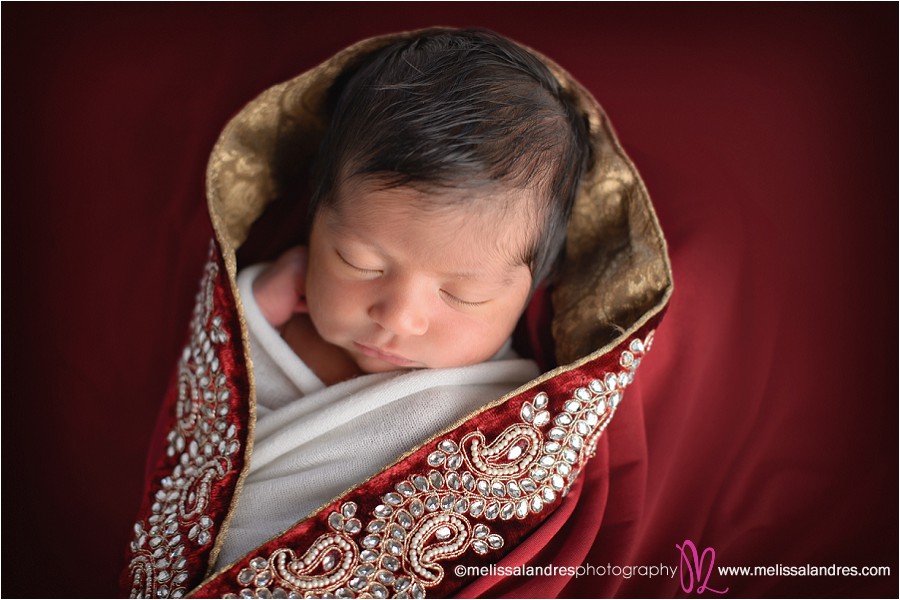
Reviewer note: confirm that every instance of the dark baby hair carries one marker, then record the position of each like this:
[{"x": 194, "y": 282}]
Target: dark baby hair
[{"x": 458, "y": 109}]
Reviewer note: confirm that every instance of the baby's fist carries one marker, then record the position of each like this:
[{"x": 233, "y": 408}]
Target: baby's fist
[{"x": 280, "y": 290}]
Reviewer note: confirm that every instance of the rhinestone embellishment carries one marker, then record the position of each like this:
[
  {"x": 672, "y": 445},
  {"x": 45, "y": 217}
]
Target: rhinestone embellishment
[{"x": 469, "y": 486}]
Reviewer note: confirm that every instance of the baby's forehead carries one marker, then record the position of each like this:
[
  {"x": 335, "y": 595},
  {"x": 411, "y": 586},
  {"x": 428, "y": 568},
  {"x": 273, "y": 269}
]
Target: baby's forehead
[{"x": 498, "y": 220}]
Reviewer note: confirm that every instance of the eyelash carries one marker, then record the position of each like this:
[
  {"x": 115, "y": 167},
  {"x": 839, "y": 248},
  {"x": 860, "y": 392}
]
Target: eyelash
[
  {"x": 360, "y": 269},
  {"x": 456, "y": 300}
]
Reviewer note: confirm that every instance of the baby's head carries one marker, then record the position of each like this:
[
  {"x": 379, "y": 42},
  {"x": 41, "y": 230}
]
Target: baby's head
[{"x": 443, "y": 189}]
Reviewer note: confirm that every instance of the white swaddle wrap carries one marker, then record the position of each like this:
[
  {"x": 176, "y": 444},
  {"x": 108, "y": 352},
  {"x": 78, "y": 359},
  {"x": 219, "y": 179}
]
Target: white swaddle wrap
[{"x": 314, "y": 442}]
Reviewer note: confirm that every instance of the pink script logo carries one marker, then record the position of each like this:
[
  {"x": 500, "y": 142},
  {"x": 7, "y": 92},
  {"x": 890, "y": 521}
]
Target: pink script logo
[{"x": 692, "y": 565}]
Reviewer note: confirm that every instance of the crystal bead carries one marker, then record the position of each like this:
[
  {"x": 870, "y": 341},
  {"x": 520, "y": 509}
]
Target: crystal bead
[
  {"x": 401, "y": 584},
  {"x": 540, "y": 401},
  {"x": 514, "y": 453},
  {"x": 453, "y": 480},
  {"x": 527, "y": 412},
  {"x": 368, "y": 555},
  {"x": 449, "y": 446},
  {"x": 600, "y": 408},
  {"x": 336, "y": 521},
  {"x": 576, "y": 441},
  {"x": 265, "y": 578},
  {"x": 393, "y": 498},
  {"x": 432, "y": 503},
  {"x": 614, "y": 400},
  {"x": 443, "y": 533},
  {"x": 476, "y": 508},
  {"x": 390, "y": 563},
  {"x": 348, "y": 510},
  {"x": 547, "y": 461},
  {"x": 512, "y": 488},
  {"x": 538, "y": 473},
  {"x": 527, "y": 485},
  {"x": 548, "y": 495},
  {"x": 626, "y": 359},
  {"x": 436, "y": 458},
  {"x": 552, "y": 447},
  {"x": 405, "y": 488},
  {"x": 352, "y": 526},
  {"x": 536, "y": 504},
  {"x": 492, "y": 510},
  {"x": 393, "y": 547},
  {"x": 246, "y": 576},
  {"x": 375, "y": 526},
  {"x": 557, "y": 482},
  {"x": 404, "y": 519},
  {"x": 507, "y": 511},
  {"x": 583, "y": 394},
  {"x": 541, "y": 419},
  {"x": 468, "y": 481},
  {"x": 397, "y": 532},
  {"x": 498, "y": 489},
  {"x": 582, "y": 428},
  {"x": 522, "y": 509},
  {"x": 556, "y": 434},
  {"x": 279, "y": 593},
  {"x": 573, "y": 406},
  {"x": 436, "y": 480},
  {"x": 358, "y": 583},
  {"x": 611, "y": 382},
  {"x": 371, "y": 541},
  {"x": 421, "y": 483},
  {"x": 484, "y": 488},
  {"x": 480, "y": 547},
  {"x": 416, "y": 591},
  {"x": 378, "y": 591},
  {"x": 385, "y": 577},
  {"x": 623, "y": 379},
  {"x": 461, "y": 506},
  {"x": 383, "y": 511},
  {"x": 563, "y": 419},
  {"x": 454, "y": 461},
  {"x": 447, "y": 501},
  {"x": 416, "y": 508},
  {"x": 596, "y": 386},
  {"x": 637, "y": 346}
]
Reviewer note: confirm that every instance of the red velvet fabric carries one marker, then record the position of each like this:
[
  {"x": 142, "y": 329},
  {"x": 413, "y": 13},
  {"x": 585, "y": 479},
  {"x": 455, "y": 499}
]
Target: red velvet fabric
[{"x": 762, "y": 424}]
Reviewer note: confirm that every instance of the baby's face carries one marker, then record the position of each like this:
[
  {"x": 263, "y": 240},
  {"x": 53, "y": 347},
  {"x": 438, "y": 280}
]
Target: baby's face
[{"x": 400, "y": 286}]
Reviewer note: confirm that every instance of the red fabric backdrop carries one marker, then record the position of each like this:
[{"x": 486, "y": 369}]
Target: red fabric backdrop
[{"x": 767, "y": 136}]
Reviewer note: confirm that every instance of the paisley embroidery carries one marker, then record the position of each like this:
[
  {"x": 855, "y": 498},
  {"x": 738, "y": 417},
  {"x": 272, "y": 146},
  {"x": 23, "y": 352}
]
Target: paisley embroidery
[
  {"x": 435, "y": 516},
  {"x": 203, "y": 443}
]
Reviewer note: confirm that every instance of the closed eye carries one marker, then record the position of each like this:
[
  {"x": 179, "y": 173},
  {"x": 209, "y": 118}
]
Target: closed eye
[
  {"x": 454, "y": 300},
  {"x": 355, "y": 268}
]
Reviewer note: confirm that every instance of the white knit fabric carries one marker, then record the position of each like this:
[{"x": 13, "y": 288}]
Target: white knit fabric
[{"x": 313, "y": 442}]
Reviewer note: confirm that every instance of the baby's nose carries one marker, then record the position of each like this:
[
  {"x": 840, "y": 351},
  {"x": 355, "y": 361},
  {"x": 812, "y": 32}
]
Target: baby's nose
[{"x": 401, "y": 314}]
